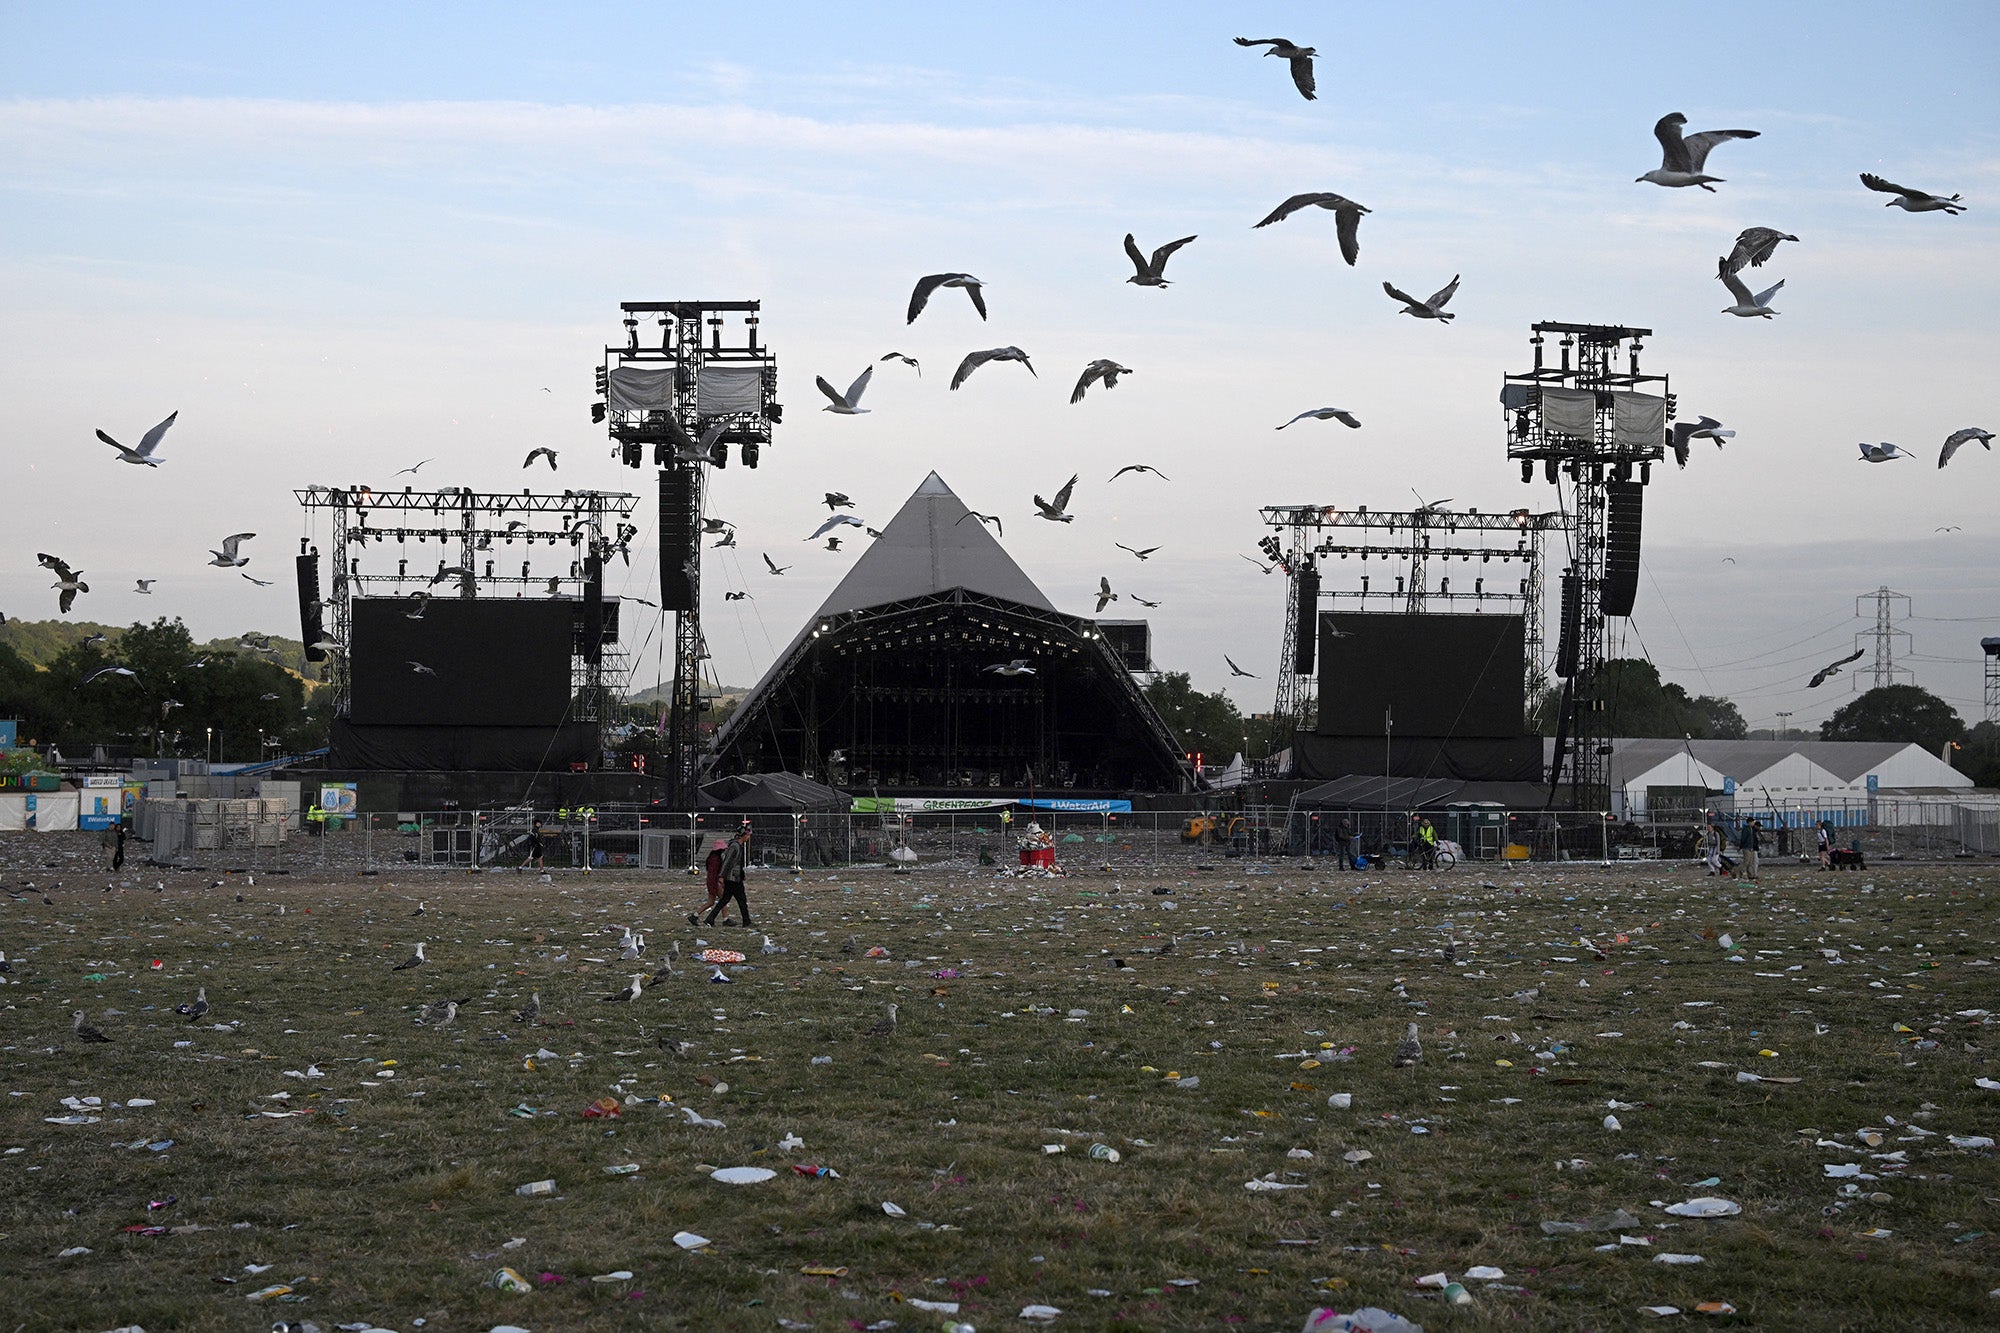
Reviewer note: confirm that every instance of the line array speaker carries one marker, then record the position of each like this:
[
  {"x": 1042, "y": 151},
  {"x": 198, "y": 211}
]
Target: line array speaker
[
  {"x": 1572, "y": 615},
  {"x": 1627, "y": 500},
  {"x": 677, "y": 538},
  {"x": 593, "y": 609},
  {"x": 311, "y": 622},
  {"x": 1305, "y": 614}
]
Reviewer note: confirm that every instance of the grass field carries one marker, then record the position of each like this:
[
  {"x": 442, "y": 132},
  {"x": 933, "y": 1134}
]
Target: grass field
[{"x": 383, "y": 1190}]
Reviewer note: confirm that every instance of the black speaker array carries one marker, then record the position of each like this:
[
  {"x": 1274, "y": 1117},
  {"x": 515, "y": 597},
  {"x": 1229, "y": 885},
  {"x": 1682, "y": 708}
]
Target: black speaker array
[
  {"x": 593, "y": 609},
  {"x": 1621, "y": 546},
  {"x": 1572, "y": 614},
  {"x": 677, "y": 538},
  {"x": 1305, "y": 591},
  {"x": 311, "y": 623}
]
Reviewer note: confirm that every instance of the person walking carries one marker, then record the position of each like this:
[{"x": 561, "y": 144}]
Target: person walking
[
  {"x": 1345, "y": 842},
  {"x": 713, "y": 865},
  {"x": 735, "y": 861},
  {"x": 534, "y": 856},
  {"x": 1825, "y": 845},
  {"x": 1748, "y": 837},
  {"x": 1711, "y": 846},
  {"x": 118, "y": 844}
]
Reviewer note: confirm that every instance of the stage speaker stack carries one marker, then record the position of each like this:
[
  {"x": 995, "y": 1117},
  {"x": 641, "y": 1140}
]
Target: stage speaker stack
[
  {"x": 1626, "y": 503},
  {"x": 1305, "y": 591},
  {"x": 311, "y": 622},
  {"x": 593, "y": 609},
  {"x": 1572, "y": 615},
  {"x": 677, "y": 538}
]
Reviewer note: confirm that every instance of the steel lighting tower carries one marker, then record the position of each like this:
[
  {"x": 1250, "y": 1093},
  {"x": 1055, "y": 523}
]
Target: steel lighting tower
[
  {"x": 689, "y": 386},
  {"x": 1991, "y": 647},
  {"x": 1405, "y": 543},
  {"x": 1592, "y": 422}
]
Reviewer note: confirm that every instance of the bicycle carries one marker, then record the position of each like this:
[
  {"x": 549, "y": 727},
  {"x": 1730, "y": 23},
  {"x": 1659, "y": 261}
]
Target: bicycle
[{"x": 1439, "y": 860}]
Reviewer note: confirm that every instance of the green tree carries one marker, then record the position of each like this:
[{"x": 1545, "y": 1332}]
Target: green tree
[
  {"x": 1639, "y": 703},
  {"x": 1980, "y": 759},
  {"x": 1207, "y": 724},
  {"x": 1905, "y": 713}
]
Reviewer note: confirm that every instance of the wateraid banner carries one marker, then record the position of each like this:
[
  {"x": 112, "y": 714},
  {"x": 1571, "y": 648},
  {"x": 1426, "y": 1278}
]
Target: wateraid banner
[{"x": 920, "y": 805}]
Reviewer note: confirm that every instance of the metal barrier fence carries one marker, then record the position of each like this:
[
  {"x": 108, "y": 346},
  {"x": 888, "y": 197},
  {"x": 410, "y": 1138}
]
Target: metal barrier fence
[{"x": 625, "y": 838}]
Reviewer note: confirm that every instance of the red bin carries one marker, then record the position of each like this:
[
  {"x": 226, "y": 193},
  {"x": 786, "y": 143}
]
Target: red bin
[{"x": 1041, "y": 857}]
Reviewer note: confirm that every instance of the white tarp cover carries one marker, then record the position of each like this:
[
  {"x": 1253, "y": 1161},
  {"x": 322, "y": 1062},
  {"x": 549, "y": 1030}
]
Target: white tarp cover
[
  {"x": 13, "y": 811},
  {"x": 53, "y": 811},
  {"x": 1569, "y": 412},
  {"x": 1638, "y": 420},
  {"x": 724, "y": 390},
  {"x": 632, "y": 389}
]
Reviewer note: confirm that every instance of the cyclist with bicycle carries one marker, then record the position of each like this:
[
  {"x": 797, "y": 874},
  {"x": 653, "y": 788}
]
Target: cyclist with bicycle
[{"x": 1427, "y": 843}]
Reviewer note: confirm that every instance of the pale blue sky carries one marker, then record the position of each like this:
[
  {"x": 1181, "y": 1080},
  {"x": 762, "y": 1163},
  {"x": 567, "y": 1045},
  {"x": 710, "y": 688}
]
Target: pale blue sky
[{"x": 340, "y": 239}]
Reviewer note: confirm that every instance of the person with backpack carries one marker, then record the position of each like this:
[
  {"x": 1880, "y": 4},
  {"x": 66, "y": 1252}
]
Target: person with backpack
[
  {"x": 1749, "y": 834},
  {"x": 735, "y": 861}
]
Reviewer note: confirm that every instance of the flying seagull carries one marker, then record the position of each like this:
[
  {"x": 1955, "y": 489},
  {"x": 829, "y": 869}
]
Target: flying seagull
[
  {"x": 1055, "y": 512},
  {"x": 994, "y": 519},
  {"x": 84, "y": 1031},
  {"x": 1966, "y": 436},
  {"x": 1259, "y": 563},
  {"x": 845, "y": 404},
  {"x": 734, "y": 596},
  {"x": 1882, "y": 453},
  {"x": 837, "y": 521},
  {"x": 1140, "y": 600},
  {"x": 145, "y": 586},
  {"x": 143, "y": 455},
  {"x": 1431, "y": 309},
  {"x": 909, "y": 361},
  {"x": 1100, "y": 369},
  {"x": 1150, "y": 271},
  {"x": 1910, "y": 201},
  {"x": 1347, "y": 219},
  {"x": 1018, "y": 667},
  {"x": 838, "y": 500},
  {"x": 416, "y": 959},
  {"x": 227, "y": 558},
  {"x": 1300, "y": 57},
  {"x": 1104, "y": 595},
  {"x": 833, "y": 543},
  {"x": 773, "y": 565},
  {"x": 1707, "y": 428},
  {"x": 1143, "y": 555},
  {"x": 69, "y": 580},
  {"x": 418, "y": 668},
  {"x": 1140, "y": 467},
  {"x": 1832, "y": 669},
  {"x": 974, "y": 360},
  {"x": 1340, "y": 414},
  {"x": 1747, "y": 306},
  {"x": 412, "y": 468},
  {"x": 927, "y": 285},
  {"x": 1235, "y": 670},
  {"x": 1753, "y": 246},
  {"x": 543, "y": 452},
  {"x": 726, "y": 539},
  {"x": 110, "y": 671},
  {"x": 262, "y": 583},
  {"x": 1682, "y": 156}
]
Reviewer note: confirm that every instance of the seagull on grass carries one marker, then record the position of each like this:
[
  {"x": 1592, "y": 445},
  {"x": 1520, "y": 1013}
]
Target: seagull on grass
[
  {"x": 143, "y": 455},
  {"x": 1746, "y": 306},
  {"x": 1340, "y": 414},
  {"x": 84, "y": 1031},
  {"x": 1055, "y": 511},
  {"x": 886, "y": 1027},
  {"x": 926, "y": 285},
  {"x": 1140, "y": 467},
  {"x": 1913, "y": 201},
  {"x": 1100, "y": 369},
  {"x": 837, "y": 521},
  {"x": 1235, "y": 670},
  {"x": 845, "y": 404},
  {"x": 1682, "y": 156},
  {"x": 994, "y": 519},
  {"x": 227, "y": 557},
  {"x": 1150, "y": 270},
  {"x": 1299, "y": 57},
  {"x": 974, "y": 360},
  {"x": 1104, "y": 595},
  {"x": 1347, "y": 219},
  {"x": 1409, "y": 1050},
  {"x": 1430, "y": 309},
  {"x": 416, "y": 959},
  {"x": 1882, "y": 453},
  {"x": 909, "y": 361},
  {"x": 1707, "y": 428},
  {"x": 531, "y": 1012},
  {"x": 1832, "y": 669},
  {"x": 1143, "y": 555},
  {"x": 1966, "y": 436},
  {"x": 196, "y": 1009},
  {"x": 631, "y": 992},
  {"x": 1753, "y": 246},
  {"x": 439, "y": 1013},
  {"x": 542, "y": 452}
]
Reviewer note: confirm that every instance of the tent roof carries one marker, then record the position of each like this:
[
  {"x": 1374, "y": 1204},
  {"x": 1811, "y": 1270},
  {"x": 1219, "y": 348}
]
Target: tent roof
[
  {"x": 929, "y": 547},
  {"x": 775, "y": 791}
]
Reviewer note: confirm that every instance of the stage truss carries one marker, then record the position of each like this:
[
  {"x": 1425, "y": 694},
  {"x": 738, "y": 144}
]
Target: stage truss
[
  {"x": 1406, "y": 543},
  {"x": 477, "y": 537}
]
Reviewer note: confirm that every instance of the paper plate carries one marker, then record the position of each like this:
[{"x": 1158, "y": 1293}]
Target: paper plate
[
  {"x": 742, "y": 1175},
  {"x": 720, "y": 956}
]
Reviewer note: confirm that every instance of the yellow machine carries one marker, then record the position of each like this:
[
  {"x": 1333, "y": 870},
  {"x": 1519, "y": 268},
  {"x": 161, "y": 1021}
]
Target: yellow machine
[{"x": 1211, "y": 828}]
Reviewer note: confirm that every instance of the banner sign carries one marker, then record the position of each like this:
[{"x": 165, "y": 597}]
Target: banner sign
[
  {"x": 338, "y": 798},
  {"x": 99, "y": 807},
  {"x": 7, "y": 731},
  {"x": 932, "y": 805}
]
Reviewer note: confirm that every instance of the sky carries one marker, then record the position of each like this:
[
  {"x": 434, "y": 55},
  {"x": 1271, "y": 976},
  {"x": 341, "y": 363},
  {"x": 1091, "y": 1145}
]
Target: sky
[{"x": 341, "y": 239}]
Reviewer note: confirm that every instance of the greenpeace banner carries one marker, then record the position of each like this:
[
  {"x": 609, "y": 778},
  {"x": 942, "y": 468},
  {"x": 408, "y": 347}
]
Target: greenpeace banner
[{"x": 917, "y": 805}]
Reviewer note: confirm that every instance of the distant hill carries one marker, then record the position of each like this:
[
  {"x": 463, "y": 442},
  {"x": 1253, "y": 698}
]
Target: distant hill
[
  {"x": 659, "y": 694},
  {"x": 40, "y": 642}
]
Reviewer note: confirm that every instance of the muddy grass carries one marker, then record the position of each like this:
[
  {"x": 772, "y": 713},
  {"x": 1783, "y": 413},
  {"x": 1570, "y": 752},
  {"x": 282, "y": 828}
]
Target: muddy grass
[{"x": 370, "y": 1165}]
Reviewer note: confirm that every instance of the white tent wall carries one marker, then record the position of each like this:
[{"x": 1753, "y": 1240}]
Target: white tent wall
[
  {"x": 13, "y": 812},
  {"x": 53, "y": 811}
]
